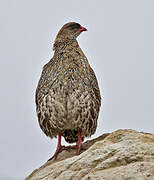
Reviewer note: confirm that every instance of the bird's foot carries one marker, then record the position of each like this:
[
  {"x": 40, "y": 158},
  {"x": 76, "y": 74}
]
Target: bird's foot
[
  {"x": 60, "y": 149},
  {"x": 79, "y": 149},
  {"x": 72, "y": 147},
  {"x": 79, "y": 143}
]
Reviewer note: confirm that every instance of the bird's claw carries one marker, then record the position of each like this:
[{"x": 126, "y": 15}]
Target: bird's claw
[{"x": 58, "y": 151}]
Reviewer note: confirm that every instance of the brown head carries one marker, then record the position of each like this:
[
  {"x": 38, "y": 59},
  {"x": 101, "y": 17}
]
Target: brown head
[{"x": 70, "y": 30}]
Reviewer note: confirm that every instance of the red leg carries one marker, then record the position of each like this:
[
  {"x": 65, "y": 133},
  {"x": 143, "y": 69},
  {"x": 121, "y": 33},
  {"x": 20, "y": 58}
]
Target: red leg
[
  {"x": 79, "y": 145},
  {"x": 60, "y": 148},
  {"x": 79, "y": 142},
  {"x": 59, "y": 140}
]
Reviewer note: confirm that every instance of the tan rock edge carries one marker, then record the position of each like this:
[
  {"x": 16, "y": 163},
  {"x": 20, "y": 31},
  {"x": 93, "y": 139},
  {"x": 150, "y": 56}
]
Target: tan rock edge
[{"x": 121, "y": 155}]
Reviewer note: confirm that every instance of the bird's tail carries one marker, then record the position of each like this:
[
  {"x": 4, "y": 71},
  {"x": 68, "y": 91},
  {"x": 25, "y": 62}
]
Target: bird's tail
[{"x": 71, "y": 136}]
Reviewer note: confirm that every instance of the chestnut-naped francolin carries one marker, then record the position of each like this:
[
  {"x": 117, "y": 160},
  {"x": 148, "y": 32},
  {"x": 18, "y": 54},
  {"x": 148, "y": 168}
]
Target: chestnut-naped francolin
[{"x": 68, "y": 98}]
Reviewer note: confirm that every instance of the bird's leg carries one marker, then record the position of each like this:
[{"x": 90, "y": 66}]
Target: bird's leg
[
  {"x": 59, "y": 141},
  {"x": 79, "y": 144},
  {"x": 60, "y": 148}
]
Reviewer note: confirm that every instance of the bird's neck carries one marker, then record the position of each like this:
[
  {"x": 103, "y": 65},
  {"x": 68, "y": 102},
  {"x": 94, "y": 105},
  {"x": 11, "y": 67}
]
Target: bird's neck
[{"x": 62, "y": 45}]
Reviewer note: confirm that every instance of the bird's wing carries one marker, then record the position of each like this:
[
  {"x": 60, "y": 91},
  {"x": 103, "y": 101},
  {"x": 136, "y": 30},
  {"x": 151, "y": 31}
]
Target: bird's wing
[
  {"x": 95, "y": 86},
  {"x": 46, "y": 80}
]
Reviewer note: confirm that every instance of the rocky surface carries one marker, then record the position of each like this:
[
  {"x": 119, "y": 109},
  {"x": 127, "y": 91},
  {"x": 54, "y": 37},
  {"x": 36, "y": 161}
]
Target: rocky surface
[{"x": 121, "y": 155}]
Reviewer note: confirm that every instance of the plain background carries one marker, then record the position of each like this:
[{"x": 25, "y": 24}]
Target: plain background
[{"x": 119, "y": 45}]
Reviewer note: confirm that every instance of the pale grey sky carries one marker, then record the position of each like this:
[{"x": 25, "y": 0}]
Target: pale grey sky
[{"x": 120, "y": 47}]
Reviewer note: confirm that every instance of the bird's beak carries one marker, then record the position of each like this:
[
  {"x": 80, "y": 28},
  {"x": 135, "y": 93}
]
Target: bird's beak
[{"x": 82, "y": 29}]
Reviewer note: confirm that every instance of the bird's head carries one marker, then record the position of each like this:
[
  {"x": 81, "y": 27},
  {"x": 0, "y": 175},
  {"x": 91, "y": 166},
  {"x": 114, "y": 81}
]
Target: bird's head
[{"x": 70, "y": 30}]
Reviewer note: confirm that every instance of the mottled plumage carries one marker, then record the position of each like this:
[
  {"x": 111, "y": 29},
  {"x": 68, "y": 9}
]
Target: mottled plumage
[{"x": 68, "y": 97}]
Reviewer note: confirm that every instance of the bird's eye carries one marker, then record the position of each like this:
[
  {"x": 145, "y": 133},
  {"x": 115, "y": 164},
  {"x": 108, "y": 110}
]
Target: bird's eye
[{"x": 74, "y": 26}]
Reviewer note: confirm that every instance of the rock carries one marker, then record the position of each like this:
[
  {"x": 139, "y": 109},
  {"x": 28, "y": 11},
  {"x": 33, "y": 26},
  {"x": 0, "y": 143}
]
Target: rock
[{"x": 121, "y": 155}]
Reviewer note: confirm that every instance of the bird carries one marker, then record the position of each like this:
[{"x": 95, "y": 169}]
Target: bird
[{"x": 67, "y": 96}]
